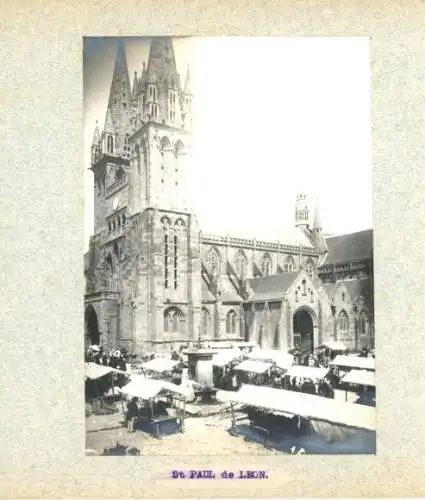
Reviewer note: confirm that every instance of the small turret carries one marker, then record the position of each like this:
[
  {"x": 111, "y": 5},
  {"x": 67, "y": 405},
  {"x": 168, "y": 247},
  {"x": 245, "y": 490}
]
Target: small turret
[
  {"x": 307, "y": 219},
  {"x": 302, "y": 211},
  {"x": 95, "y": 146}
]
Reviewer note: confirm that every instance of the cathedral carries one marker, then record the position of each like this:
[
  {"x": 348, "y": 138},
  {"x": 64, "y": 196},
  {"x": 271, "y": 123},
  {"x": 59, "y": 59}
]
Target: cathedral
[{"x": 155, "y": 280}]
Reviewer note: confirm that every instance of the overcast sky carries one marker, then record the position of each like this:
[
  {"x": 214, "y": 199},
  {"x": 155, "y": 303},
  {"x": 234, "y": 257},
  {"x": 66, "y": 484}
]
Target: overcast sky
[{"x": 272, "y": 117}]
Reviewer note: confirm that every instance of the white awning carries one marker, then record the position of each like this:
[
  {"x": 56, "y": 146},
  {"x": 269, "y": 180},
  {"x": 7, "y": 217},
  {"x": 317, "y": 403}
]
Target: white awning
[
  {"x": 355, "y": 362},
  {"x": 334, "y": 345},
  {"x": 253, "y": 366},
  {"x": 282, "y": 359},
  {"x": 144, "y": 388},
  {"x": 94, "y": 371},
  {"x": 311, "y": 372},
  {"x": 304, "y": 405},
  {"x": 224, "y": 357},
  {"x": 360, "y": 377},
  {"x": 160, "y": 365}
]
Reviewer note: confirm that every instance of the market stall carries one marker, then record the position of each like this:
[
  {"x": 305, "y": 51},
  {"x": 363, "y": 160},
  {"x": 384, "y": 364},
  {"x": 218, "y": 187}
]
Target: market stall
[
  {"x": 303, "y": 406},
  {"x": 363, "y": 383},
  {"x": 354, "y": 362},
  {"x": 253, "y": 371},
  {"x": 161, "y": 401}
]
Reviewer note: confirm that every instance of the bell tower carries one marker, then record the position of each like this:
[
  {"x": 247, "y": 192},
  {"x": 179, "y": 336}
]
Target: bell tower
[
  {"x": 165, "y": 236},
  {"x": 160, "y": 136}
]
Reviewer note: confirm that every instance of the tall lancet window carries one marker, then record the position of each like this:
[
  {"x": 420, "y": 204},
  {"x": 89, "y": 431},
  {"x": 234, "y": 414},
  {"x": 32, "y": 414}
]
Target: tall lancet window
[
  {"x": 172, "y": 107},
  {"x": 241, "y": 265},
  {"x": 266, "y": 265},
  {"x": 167, "y": 251},
  {"x": 110, "y": 144},
  {"x": 213, "y": 262},
  {"x": 153, "y": 104},
  {"x": 176, "y": 261},
  {"x": 178, "y": 227}
]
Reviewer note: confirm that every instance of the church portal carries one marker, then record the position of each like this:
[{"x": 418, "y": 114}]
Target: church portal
[
  {"x": 92, "y": 327},
  {"x": 303, "y": 331}
]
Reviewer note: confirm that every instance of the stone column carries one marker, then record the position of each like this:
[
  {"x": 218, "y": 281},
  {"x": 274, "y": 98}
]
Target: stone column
[
  {"x": 319, "y": 323},
  {"x": 253, "y": 334},
  {"x": 283, "y": 339},
  {"x": 289, "y": 327}
]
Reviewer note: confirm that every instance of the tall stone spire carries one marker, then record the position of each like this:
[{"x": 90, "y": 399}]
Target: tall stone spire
[
  {"x": 317, "y": 223},
  {"x": 163, "y": 89},
  {"x": 135, "y": 88},
  {"x": 118, "y": 113},
  {"x": 162, "y": 62}
]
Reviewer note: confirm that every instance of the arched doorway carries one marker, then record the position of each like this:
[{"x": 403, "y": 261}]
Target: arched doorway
[
  {"x": 303, "y": 328},
  {"x": 92, "y": 326}
]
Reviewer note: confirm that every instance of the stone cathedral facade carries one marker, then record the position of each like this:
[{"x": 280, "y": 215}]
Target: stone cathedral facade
[{"x": 154, "y": 279}]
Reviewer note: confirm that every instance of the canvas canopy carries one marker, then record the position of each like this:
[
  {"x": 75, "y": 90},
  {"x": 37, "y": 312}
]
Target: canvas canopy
[
  {"x": 304, "y": 405},
  {"x": 360, "y": 377},
  {"x": 94, "y": 371},
  {"x": 253, "y": 366},
  {"x": 283, "y": 360},
  {"x": 307, "y": 372},
  {"x": 270, "y": 355},
  {"x": 160, "y": 365},
  {"x": 335, "y": 345},
  {"x": 144, "y": 388},
  {"x": 355, "y": 362},
  {"x": 222, "y": 358}
]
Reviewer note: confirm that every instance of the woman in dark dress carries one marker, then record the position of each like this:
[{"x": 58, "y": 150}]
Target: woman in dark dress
[{"x": 132, "y": 413}]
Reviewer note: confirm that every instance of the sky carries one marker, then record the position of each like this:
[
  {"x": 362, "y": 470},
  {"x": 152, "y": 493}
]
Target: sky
[{"x": 272, "y": 117}]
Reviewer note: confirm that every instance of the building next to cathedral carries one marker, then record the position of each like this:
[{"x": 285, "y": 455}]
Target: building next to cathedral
[{"x": 154, "y": 279}]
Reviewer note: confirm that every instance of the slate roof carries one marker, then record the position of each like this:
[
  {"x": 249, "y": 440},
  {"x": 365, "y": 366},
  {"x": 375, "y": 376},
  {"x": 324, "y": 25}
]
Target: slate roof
[
  {"x": 350, "y": 247},
  {"x": 271, "y": 287}
]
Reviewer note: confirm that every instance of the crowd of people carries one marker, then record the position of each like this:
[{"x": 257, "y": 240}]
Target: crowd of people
[{"x": 115, "y": 358}]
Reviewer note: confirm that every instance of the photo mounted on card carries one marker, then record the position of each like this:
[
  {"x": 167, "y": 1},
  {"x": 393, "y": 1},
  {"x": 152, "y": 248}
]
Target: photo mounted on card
[{"x": 229, "y": 301}]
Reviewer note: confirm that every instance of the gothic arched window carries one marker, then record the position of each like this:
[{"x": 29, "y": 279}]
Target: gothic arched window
[
  {"x": 167, "y": 250},
  {"x": 343, "y": 321},
  {"x": 289, "y": 265},
  {"x": 304, "y": 287},
  {"x": 231, "y": 322},
  {"x": 213, "y": 262},
  {"x": 176, "y": 259},
  {"x": 241, "y": 265},
  {"x": 266, "y": 265},
  {"x": 173, "y": 319},
  {"x": 172, "y": 107}
]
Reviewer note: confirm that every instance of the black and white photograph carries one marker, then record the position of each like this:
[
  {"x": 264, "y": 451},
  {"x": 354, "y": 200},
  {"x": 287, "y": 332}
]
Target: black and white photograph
[{"x": 228, "y": 254}]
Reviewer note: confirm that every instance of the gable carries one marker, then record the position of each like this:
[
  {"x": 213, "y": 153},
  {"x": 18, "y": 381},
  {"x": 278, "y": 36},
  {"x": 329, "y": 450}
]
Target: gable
[{"x": 302, "y": 281}]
